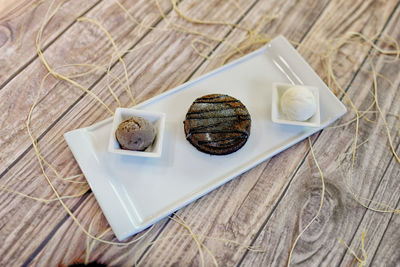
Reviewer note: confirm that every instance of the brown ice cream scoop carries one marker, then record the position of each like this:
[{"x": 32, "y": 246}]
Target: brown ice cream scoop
[{"x": 135, "y": 133}]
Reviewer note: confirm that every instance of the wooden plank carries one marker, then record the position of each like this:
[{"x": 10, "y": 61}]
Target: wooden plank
[
  {"x": 341, "y": 215},
  {"x": 8, "y": 7},
  {"x": 86, "y": 111},
  {"x": 73, "y": 244},
  {"x": 82, "y": 43},
  {"x": 378, "y": 227},
  {"x": 17, "y": 45},
  {"x": 387, "y": 251}
]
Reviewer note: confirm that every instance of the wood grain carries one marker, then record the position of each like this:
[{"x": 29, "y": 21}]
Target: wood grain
[
  {"x": 386, "y": 183},
  {"x": 386, "y": 253},
  {"x": 70, "y": 240},
  {"x": 19, "y": 26},
  {"x": 136, "y": 69},
  {"x": 246, "y": 222},
  {"x": 58, "y": 152},
  {"x": 87, "y": 111},
  {"x": 74, "y": 46},
  {"x": 340, "y": 215},
  {"x": 268, "y": 205},
  {"x": 238, "y": 212},
  {"x": 31, "y": 228}
]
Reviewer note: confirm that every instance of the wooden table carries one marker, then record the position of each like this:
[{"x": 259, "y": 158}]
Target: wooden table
[{"x": 267, "y": 206}]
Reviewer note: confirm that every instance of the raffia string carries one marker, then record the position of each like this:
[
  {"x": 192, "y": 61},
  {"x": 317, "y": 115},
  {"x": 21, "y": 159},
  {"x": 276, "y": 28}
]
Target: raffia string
[
  {"x": 320, "y": 204},
  {"x": 128, "y": 88},
  {"x": 253, "y": 37},
  {"x": 332, "y": 82},
  {"x": 57, "y": 75},
  {"x": 197, "y": 239},
  {"x": 34, "y": 141},
  {"x": 349, "y": 185},
  {"x": 40, "y": 158},
  {"x": 44, "y": 200},
  {"x": 22, "y": 26},
  {"x": 361, "y": 262}
]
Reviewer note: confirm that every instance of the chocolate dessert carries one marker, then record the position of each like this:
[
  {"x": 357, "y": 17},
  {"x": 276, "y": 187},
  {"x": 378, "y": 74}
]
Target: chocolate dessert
[
  {"x": 135, "y": 133},
  {"x": 217, "y": 124}
]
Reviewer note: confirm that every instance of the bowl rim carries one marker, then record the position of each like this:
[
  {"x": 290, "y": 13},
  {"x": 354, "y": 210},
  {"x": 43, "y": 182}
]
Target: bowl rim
[
  {"x": 275, "y": 107},
  {"x": 157, "y": 119}
]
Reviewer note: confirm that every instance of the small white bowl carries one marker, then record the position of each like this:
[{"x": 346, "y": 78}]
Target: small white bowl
[
  {"x": 278, "y": 89},
  {"x": 156, "y": 118}
]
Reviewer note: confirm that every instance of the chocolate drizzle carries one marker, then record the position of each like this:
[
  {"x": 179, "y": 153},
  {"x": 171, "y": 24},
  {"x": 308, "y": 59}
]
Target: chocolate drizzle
[{"x": 217, "y": 124}]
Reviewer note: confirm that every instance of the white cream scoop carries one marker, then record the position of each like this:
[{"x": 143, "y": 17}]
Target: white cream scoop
[{"x": 298, "y": 103}]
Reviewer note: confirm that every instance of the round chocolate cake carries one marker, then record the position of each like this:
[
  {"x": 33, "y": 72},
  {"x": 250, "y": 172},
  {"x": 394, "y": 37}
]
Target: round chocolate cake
[{"x": 217, "y": 124}]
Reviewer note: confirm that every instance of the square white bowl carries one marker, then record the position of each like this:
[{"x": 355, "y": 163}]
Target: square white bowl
[
  {"x": 277, "y": 116},
  {"x": 155, "y": 118}
]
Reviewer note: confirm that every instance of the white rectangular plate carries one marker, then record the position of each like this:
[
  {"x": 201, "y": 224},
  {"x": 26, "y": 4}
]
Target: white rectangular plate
[{"x": 134, "y": 192}]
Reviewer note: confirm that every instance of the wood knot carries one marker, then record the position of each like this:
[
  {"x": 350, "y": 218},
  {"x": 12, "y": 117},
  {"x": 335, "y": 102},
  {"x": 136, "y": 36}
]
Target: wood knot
[
  {"x": 309, "y": 211},
  {"x": 5, "y": 34}
]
